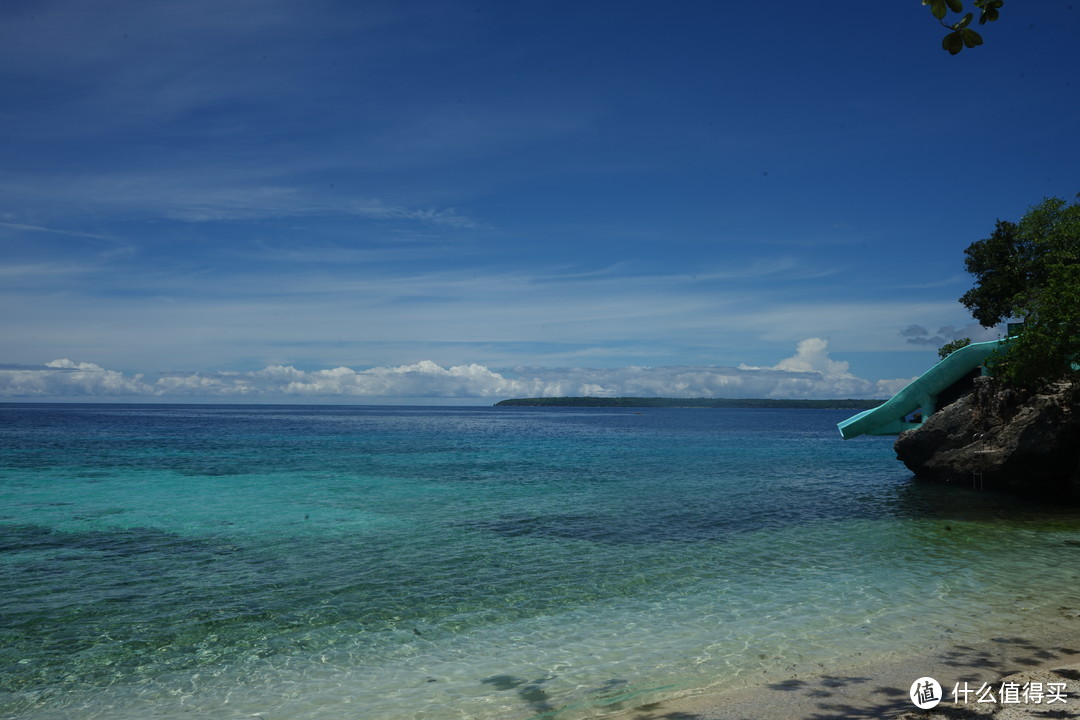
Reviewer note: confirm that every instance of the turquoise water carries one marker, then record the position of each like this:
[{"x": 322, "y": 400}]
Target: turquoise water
[{"x": 513, "y": 563}]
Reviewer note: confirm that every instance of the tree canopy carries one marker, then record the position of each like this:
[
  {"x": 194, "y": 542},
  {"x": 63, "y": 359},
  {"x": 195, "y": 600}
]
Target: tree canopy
[
  {"x": 1002, "y": 266},
  {"x": 960, "y": 35},
  {"x": 1031, "y": 271},
  {"x": 950, "y": 347}
]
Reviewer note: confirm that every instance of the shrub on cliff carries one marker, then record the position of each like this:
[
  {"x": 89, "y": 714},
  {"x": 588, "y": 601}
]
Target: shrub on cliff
[
  {"x": 1048, "y": 349},
  {"x": 1031, "y": 271}
]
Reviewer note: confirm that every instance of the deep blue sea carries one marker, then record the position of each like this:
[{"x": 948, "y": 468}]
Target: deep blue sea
[{"x": 316, "y": 562}]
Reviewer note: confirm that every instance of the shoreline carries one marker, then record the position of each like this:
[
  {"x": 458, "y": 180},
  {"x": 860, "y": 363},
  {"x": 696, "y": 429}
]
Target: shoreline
[{"x": 880, "y": 688}]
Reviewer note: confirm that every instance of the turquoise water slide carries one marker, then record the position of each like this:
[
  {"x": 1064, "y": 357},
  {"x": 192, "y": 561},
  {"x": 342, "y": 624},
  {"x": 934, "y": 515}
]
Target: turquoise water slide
[{"x": 921, "y": 394}]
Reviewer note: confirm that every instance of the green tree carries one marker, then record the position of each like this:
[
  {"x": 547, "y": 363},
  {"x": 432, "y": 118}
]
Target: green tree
[
  {"x": 1002, "y": 266},
  {"x": 1012, "y": 267},
  {"x": 950, "y": 347},
  {"x": 1031, "y": 271},
  {"x": 1048, "y": 349},
  {"x": 960, "y": 35}
]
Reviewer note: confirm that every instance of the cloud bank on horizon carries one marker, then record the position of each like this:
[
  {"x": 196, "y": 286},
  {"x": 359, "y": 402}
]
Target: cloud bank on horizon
[{"x": 809, "y": 373}]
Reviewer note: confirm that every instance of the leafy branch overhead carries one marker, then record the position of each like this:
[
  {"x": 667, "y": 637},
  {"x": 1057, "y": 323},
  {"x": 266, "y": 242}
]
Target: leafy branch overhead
[{"x": 960, "y": 35}]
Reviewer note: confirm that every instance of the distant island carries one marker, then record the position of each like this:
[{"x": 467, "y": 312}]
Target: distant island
[{"x": 662, "y": 402}]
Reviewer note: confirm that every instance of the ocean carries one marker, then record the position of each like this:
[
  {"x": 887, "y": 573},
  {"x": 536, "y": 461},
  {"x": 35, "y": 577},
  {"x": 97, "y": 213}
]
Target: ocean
[{"x": 408, "y": 563}]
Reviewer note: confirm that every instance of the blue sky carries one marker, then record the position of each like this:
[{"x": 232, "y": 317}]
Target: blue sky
[{"x": 341, "y": 200}]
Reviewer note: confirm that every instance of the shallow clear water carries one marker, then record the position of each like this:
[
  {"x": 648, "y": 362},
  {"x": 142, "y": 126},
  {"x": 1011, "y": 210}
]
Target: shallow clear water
[{"x": 366, "y": 562}]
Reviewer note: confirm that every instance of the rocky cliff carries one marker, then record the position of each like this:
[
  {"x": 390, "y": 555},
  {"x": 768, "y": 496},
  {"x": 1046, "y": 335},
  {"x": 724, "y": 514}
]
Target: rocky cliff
[{"x": 1002, "y": 439}]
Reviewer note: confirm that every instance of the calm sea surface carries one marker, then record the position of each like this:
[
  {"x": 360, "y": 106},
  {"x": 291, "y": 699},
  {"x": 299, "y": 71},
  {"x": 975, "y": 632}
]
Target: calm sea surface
[{"x": 296, "y": 563}]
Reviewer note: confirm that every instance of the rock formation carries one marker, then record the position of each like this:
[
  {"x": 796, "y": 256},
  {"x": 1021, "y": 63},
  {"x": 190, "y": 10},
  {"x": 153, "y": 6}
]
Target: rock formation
[{"x": 1002, "y": 439}]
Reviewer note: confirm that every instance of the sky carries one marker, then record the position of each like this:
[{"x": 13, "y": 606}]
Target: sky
[{"x": 461, "y": 202}]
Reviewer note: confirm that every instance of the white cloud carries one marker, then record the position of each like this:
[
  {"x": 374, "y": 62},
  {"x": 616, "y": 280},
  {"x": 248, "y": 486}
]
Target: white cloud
[
  {"x": 809, "y": 373},
  {"x": 64, "y": 378},
  {"x": 420, "y": 380},
  {"x": 812, "y": 355},
  {"x": 888, "y": 388}
]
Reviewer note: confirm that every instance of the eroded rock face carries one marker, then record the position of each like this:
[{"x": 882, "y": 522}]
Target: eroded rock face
[{"x": 1002, "y": 439}]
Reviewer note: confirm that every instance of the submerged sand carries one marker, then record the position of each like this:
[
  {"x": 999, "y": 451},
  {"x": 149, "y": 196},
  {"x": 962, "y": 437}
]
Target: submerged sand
[{"x": 881, "y": 689}]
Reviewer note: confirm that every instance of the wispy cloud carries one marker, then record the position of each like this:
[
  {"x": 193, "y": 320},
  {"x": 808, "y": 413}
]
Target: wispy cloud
[
  {"x": 377, "y": 209},
  {"x": 956, "y": 280},
  {"x": 22, "y": 227},
  {"x": 190, "y": 196},
  {"x": 325, "y": 302}
]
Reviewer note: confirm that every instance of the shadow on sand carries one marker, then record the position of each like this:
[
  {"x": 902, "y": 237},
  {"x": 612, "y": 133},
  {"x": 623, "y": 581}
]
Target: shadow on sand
[{"x": 858, "y": 697}]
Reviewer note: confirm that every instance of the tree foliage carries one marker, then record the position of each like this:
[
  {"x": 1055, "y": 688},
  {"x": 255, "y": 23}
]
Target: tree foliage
[
  {"x": 960, "y": 34},
  {"x": 1001, "y": 264},
  {"x": 950, "y": 347},
  {"x": 1031, "y": 271},
  {"x": 1048, "y": 349}
]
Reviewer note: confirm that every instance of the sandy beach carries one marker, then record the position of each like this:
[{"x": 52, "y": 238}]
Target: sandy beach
[{"x": 881, "y": 689}]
